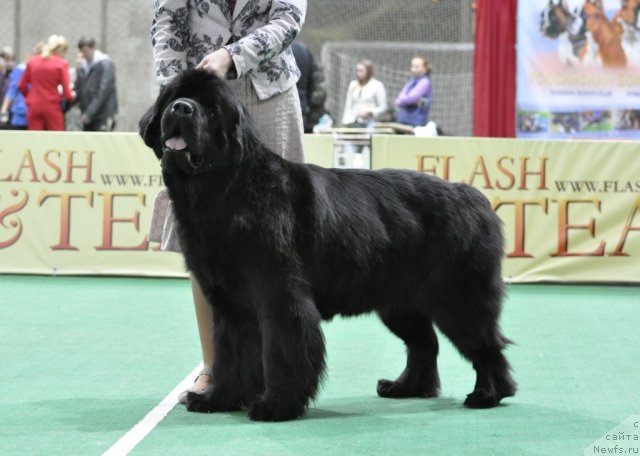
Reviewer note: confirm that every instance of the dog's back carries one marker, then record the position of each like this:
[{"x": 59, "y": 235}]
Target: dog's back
[{"x": 371, "y": 236}]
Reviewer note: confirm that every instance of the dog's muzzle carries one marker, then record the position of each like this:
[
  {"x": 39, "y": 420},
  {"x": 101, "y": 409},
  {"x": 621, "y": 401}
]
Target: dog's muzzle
[
  {"x": 178, "y": 121},
  {"x": 182, "y": 108}
]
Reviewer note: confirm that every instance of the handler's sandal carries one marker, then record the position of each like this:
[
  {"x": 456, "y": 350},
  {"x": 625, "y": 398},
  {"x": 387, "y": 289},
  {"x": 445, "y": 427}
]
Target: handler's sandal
[{"x": 182, "y": 397}]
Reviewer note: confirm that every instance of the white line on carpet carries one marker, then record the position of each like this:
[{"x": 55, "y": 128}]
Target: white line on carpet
[{"x": 137, "y": 433}]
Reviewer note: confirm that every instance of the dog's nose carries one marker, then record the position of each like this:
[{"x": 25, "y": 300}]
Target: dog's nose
[{"x": 181, "y": 108}]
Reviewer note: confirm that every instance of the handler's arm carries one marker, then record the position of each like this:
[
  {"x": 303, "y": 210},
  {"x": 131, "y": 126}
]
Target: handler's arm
[
  {"x": 169, "y": 33},
  {"x": 285, "y": 21}
]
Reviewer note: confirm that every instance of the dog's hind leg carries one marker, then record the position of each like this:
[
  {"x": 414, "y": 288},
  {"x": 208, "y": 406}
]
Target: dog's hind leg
[
  {"x": 480, "y": 340},
  {"x": 420, "y": 376},
  {"x": 493, "y": 376}
]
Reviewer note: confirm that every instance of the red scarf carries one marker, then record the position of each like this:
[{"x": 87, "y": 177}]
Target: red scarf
[{"x": 232, "y": 5}]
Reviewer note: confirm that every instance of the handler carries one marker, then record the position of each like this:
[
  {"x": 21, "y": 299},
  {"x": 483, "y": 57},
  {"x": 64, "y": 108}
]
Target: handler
[{"x": 246, "y": 42}]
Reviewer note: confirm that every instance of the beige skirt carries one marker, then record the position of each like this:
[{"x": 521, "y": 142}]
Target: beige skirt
[{"x": 278, "y": 122}]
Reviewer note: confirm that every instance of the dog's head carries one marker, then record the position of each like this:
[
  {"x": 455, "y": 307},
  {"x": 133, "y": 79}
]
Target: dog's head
[
  {"x": 196, "y": 125},
  {"x": 630, "y": 13},
  {"x": 593, "y": 15},
  {"x": 556, "y": 18}
]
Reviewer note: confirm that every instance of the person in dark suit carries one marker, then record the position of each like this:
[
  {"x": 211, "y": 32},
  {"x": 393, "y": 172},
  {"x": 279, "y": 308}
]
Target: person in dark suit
[
  {"x": 310, "y": 86},
  {"x": 95, "y": 87}
]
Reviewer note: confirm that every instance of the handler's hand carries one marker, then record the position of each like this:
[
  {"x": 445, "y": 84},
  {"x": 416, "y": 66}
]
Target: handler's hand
[{"x": 218, "y": 62}]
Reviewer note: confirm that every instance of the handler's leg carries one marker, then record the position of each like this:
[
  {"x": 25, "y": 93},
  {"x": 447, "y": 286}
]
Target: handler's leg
[{"x": 204, "y": 317}]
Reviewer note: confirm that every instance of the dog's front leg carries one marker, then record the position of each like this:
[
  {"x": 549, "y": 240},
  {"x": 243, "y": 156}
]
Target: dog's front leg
[
  {"x": 293, "y": 357},
  {"x": 237, "y": 370}
]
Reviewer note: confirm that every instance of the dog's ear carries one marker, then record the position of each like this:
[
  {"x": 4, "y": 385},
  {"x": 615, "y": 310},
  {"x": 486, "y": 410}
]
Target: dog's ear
[
  {"x": 243, "y": 128},
  {"x": 244, "y": 135},
  {"x": 149, "y": 125},
  {"x": 149, "y": 129}
]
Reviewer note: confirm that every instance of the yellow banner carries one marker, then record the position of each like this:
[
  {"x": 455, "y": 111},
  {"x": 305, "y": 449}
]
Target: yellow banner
[
  {"x": 571, "y": 209},
  {"x": 77, "y": 203},
  {"x": 81, "y": 203}
]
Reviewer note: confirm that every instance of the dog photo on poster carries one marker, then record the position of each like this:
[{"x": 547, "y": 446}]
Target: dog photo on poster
[{"x": 578, "y": 69}]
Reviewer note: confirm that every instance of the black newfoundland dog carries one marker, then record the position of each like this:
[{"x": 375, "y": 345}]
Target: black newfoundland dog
[{"x": 279, "y": 246}]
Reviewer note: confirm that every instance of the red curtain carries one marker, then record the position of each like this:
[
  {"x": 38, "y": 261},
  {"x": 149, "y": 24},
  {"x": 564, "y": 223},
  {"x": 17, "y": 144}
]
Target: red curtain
[{"x": 494, "y": 69}]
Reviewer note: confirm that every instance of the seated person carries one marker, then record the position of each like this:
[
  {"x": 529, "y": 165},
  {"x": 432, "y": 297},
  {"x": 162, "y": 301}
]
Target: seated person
[{"x": 414, "y": 101}]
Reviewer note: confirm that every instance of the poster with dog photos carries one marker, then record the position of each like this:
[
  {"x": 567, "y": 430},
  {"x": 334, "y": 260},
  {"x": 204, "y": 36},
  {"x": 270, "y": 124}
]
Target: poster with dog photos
[{"x": 578, "y": 69}]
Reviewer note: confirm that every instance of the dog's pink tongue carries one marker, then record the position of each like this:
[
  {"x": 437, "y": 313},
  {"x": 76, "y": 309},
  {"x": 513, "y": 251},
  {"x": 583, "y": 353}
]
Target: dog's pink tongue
[{"x": 176, "y": 143}]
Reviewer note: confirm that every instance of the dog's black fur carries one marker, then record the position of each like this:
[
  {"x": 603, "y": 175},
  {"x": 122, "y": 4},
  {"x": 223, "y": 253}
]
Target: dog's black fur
[{"x": 279, "y": 246}]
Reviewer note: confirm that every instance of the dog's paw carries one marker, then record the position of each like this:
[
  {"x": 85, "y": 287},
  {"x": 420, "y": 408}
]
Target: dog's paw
[
  {"x": 266, "y": 410},
  {"x": 481, "y": 398},
  {"x": 209, "y": 402},
  {"x": 390, "y": 389}
]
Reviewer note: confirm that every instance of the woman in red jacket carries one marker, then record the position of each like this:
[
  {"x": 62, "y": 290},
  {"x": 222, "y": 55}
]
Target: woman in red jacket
[{"x": 45, "y": 83}]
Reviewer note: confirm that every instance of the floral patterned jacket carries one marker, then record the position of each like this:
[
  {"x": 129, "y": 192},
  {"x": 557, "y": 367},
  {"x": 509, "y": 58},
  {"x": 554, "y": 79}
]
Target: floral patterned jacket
[{"x": 258, "y": 36}]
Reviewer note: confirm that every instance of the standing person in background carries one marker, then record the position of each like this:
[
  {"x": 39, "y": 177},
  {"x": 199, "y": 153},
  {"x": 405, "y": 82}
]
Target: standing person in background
[
  {"x": 4, "y": 77},
  {"x": 366, "y": 97},
  {"x": 95, "y": 87},
  {"x": 44, "y": 74},
  {"x": 310, "y": 86},
  {"x": 7, "y": 63},
  {"x": 414, "y": 101},
  {"x": 4, "y": 87},
  {"x": 13, "y": 110},
  {"x": 247, "y": 43}
]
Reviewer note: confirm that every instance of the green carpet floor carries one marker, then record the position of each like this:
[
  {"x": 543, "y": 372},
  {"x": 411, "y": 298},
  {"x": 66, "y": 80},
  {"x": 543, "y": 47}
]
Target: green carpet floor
[{"x": 83, "y": 359}]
